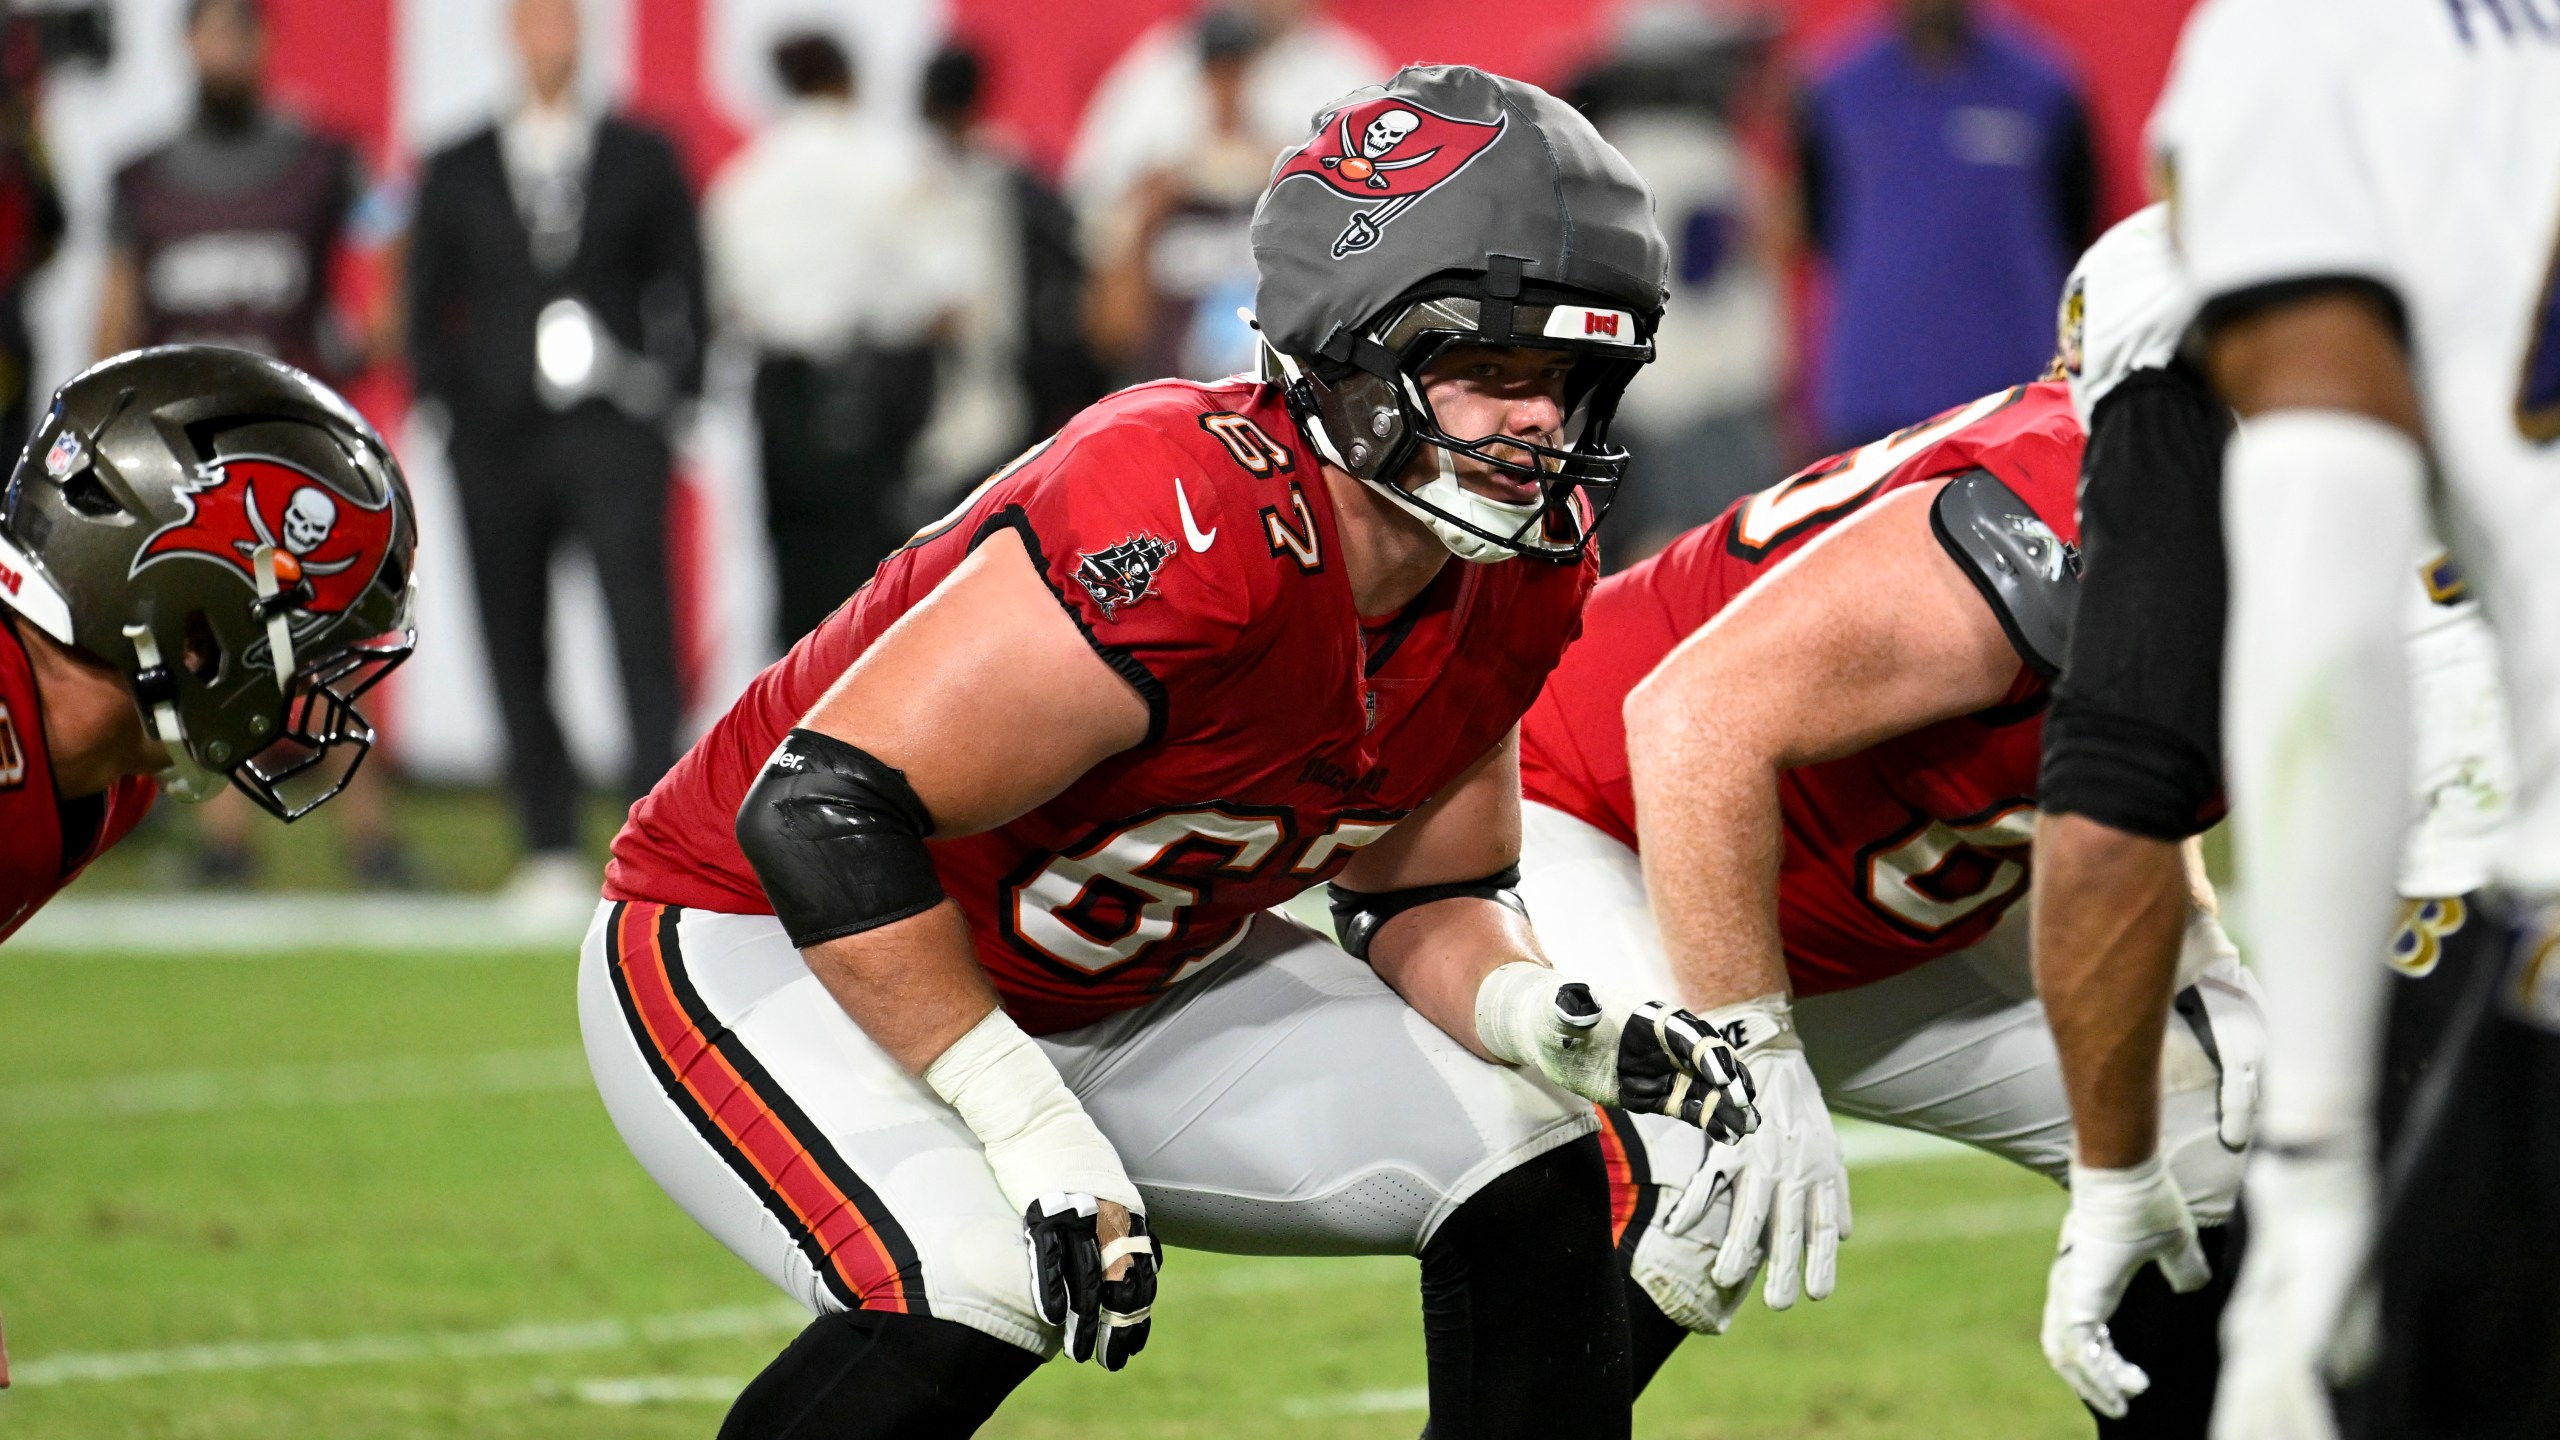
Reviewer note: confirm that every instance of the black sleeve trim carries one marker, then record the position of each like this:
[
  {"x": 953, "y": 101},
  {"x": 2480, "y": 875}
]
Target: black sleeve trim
[
  {"x": 1358, "y": 915},
  {"x": 2249, "y": 300},
  {"x": 2027, "y": 574},
  {"x": 1127, "y": 666}
]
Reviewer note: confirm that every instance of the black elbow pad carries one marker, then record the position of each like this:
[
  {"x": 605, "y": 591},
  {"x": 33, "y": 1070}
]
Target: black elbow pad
[{"x": 837, "y": 837}]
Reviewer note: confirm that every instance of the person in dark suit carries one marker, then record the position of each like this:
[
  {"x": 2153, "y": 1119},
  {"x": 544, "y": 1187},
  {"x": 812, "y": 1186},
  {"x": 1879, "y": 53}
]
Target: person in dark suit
[{"x": 555, "y": 305}]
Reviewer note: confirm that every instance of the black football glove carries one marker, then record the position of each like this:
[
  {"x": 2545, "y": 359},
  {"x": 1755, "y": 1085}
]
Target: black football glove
[
  {"x": 1104, "y": 1320},
  {"x": 1670, "y": 1062}
]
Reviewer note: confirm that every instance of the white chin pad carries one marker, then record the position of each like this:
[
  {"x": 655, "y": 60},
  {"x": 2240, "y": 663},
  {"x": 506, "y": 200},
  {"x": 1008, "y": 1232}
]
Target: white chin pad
[{"x": 1444, "y": 492}]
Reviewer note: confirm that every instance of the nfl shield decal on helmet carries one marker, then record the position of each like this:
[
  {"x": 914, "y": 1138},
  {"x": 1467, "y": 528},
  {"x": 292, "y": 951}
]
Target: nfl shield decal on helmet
[
  {"x": 1389, "y": 151},
  {"x": 1122, "y": 574},
  {"x": 324, "y": 541}
]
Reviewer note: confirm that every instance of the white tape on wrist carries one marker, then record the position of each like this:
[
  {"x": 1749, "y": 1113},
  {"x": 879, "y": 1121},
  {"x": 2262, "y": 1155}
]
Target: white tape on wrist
[
  {"x": 1038, "y": 1137},
  {"x": 1514, "y": 1008},
  {"x": 2117, "y": 1195}
]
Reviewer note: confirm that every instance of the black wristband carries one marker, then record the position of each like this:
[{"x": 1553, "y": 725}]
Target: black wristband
[{"x": 1358, "y": 914}]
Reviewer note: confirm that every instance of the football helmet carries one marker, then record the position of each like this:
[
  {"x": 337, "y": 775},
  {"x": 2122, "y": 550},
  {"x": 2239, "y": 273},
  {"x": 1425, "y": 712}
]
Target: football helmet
[
  {"x": 233, "y": 538},
  {"x": 1453, "y": 207}
]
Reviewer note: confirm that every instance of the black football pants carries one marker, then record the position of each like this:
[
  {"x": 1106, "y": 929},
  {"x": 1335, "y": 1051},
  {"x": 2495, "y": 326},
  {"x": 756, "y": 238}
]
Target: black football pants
[{"x": 597, "y": 478}]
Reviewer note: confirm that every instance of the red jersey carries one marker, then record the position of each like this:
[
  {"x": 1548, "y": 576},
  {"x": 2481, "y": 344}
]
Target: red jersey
[
  {"x": 1188, "y": 532},
  {"x": 45, "y": 840},
  {"x": 1901, "y": 853}
]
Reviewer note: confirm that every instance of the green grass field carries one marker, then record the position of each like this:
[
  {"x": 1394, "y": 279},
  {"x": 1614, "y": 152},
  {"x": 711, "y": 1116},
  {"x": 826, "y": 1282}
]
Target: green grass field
[{"x": 322, "y": 1196}]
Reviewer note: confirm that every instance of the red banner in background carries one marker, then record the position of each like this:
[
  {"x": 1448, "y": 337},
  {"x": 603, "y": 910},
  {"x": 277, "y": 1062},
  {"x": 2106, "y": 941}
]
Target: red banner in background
[{"x": 1044, "y": 60}]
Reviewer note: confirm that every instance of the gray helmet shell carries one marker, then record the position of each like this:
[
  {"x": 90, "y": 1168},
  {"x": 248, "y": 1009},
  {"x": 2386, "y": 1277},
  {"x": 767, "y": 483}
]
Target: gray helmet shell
[
  {"x": 231, "y": 536},
  {"x": 1491, "y": 166}
]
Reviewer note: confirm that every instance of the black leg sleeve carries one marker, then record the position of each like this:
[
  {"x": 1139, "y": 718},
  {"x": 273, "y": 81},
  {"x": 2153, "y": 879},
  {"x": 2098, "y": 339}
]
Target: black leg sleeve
[
  {"x": 1651, "y": 1336},
  {"x": 874, "y": 1375},
  {"x": 2177, "y": 1340},
  {"x": 1524, "y": 1312}
]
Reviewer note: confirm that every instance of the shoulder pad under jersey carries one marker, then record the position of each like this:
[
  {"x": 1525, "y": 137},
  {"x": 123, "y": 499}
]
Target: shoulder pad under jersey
[
  {"x": 2125, "y": 308},
  {"x": 2028, "y": 575}
]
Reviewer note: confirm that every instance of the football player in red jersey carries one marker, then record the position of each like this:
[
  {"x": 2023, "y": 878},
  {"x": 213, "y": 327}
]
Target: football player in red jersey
[
  {"x": 1813, "y": 826},
  {"x": 956, "y": 929},
  {"x": 205, "y": 561}
]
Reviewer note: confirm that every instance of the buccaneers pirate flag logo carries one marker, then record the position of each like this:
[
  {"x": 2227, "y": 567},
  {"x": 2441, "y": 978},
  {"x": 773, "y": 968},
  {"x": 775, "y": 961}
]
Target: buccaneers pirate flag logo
[
  {"x": 1389, "y": 151},
  {"x": 327, "y": 545}
]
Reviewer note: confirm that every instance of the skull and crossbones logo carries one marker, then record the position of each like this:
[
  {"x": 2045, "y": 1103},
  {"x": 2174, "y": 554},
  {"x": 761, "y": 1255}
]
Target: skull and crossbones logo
[
  {"x": 308, "y": 518},
  {"x": 1365, "y": 159}
]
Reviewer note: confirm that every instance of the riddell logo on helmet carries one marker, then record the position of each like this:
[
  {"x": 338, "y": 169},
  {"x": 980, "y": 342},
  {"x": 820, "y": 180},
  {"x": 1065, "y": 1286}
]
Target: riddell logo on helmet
[
  {"x": 1388, "y": 150},
  {"x": 323, "y": 540},
  {"x": 11, "y": 580}
]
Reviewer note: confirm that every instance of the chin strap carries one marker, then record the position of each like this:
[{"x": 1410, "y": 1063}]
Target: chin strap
[
  {"x": 279, "y": 629},
  {"x": 156, "y": 692}
]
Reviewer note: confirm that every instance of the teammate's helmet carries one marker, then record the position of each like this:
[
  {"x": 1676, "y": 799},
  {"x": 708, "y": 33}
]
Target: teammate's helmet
[
  {"x": 236, "y": 540},
  {"x": 1448, "y": 207}
]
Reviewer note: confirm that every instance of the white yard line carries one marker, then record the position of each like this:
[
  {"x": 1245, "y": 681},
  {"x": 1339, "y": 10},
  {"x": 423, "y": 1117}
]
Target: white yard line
[
  {"x": 551, "y": 1069},
  {"x": 535, "y": 1338},
  {"x": 196, "y": 925},
  {"x": 1412, "y": 1399},
  {"x": 660, "y": 1390},
  {"x": 779, "y": 1317}
]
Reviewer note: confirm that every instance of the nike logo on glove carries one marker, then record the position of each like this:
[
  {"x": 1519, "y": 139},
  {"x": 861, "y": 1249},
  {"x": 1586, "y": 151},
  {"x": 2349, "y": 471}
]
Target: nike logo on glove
[{"x": 1192, "y": 534}]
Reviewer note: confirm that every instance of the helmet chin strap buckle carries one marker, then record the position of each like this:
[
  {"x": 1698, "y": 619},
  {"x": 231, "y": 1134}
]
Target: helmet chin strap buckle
[
  {"x": 279, "y": 629},
  {"x": 157, "y": 692}
]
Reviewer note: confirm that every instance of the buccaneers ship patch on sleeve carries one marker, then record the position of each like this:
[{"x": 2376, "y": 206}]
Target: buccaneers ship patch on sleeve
[{"x": 1123, "y": 574}]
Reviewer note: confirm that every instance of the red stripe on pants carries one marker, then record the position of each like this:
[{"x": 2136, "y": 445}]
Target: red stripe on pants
[{"x": 790, "y": 1174}]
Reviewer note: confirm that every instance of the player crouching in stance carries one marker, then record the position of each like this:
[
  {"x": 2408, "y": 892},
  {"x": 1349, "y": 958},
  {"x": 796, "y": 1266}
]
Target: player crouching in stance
[
  {"x": 205, "y": 561},
  {"x": 957, "y": 926},
  {"x": 1814, "y": 825}
]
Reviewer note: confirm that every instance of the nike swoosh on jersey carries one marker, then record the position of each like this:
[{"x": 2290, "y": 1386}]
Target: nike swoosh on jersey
[{"x": 1192, "y": 534}]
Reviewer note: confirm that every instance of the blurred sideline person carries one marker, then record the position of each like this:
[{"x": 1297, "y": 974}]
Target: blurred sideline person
[
  {"x": 31, "y": 224},
  {"x": 205, "y": 561},
  {"x": 1155, "y": 101},
  {"x": 1812, "y": 826},
  {"x": 227, "y": 235},
  {"x": 2132, "y": 768},
  {"x": 821, "y": 261},
  {"x": 1702, "y": 421},
  {"x": 1947, "y": 181},
  {"x": 1208, "y": 647},
  {"x": 2371, "y": 230},
  {"x": 1016, "y": 365},
  {"x": 555, "y": 310},
  {"x": 1173, "y": 261}
]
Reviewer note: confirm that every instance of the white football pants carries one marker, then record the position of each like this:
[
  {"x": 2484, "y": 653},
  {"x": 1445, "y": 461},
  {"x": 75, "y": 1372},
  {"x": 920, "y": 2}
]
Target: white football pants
[
  {"x": 1957, "y": 1047},
  {"x": 1282, "y": 1101}
]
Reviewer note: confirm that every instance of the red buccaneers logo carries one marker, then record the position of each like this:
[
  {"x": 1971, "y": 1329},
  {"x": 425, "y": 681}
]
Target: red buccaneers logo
[
  {"x": 329, "y": 543},
  {"x": 1391, "y": 151}
]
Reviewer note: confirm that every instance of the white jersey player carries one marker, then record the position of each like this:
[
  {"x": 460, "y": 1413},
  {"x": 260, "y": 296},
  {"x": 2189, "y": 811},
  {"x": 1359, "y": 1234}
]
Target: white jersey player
[
  {"x": 2132, "y": 769},
  {"x": 2371, "y": 225}
]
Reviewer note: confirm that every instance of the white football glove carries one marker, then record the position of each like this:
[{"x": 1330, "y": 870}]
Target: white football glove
[
  {"x": 1649, "y": 1058},
  {"x": 2120, "y": 1221},
  {"x": 2234, "y": 1016},
  {"x": 1675, "y": 1257},
  {"x": 2287, "y": 1333},
  {"x": 1790, "y": 1186},
  {"x": 1055, "y": 1166}
]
